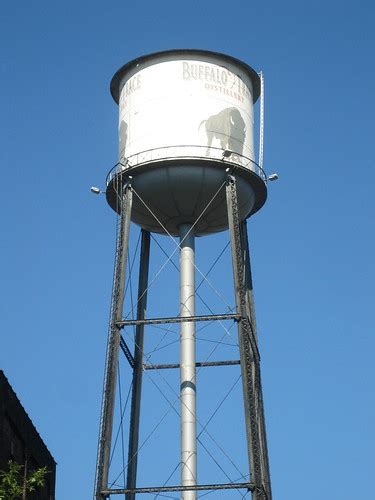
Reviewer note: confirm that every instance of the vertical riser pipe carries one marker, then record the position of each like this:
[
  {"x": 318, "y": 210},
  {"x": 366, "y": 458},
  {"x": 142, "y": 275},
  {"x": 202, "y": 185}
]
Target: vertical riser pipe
[{"x": 187, "y": 360}]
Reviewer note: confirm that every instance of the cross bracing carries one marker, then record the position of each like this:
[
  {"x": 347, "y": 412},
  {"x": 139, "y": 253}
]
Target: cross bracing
[{"x": 132, "y": 338}]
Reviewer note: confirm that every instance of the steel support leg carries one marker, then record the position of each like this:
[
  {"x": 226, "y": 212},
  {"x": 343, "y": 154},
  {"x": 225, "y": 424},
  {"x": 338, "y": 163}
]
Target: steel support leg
[
  {"x": 250, "y": 299},
  {"x": 138, "y": 365},
  {"x": 248, "y": 347},
  {"x": 114, "y": 335}
]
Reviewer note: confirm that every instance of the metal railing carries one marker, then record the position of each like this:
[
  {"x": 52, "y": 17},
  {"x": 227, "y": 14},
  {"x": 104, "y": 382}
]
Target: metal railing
[{"x": 187, "y": 152}]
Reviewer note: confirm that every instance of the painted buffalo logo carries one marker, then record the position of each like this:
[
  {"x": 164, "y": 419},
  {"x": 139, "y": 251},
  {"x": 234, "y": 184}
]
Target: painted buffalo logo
[{"x": 228, "y": 127}]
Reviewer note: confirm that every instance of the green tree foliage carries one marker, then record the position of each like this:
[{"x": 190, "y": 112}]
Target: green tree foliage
[{"x": 14, "y": 485}]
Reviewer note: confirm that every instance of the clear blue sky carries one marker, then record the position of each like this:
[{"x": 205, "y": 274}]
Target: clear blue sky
[{"x": 312, "y": 244}]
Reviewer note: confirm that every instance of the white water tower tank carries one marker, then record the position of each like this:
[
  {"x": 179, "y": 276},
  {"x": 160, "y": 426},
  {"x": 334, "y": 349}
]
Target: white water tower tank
[{"x": 185, "y": 117}]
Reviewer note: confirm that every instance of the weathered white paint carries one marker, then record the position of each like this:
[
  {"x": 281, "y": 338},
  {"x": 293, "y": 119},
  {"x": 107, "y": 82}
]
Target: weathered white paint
[{"x": 169, "y": 101}]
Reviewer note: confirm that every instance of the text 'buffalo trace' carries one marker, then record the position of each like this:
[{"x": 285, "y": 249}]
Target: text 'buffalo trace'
[{"x": 215, "y": 75}]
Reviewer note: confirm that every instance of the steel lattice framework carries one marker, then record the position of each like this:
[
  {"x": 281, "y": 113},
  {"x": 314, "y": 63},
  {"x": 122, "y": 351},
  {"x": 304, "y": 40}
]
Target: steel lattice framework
[{"x": 260, "y": 484}]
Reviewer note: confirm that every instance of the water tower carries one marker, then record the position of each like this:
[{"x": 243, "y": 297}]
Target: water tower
[{"x": 186, "y": 169}]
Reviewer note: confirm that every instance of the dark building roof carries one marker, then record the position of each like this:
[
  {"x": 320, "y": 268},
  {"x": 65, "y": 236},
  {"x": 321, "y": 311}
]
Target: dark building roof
[{"x": 21, "y": 442}]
